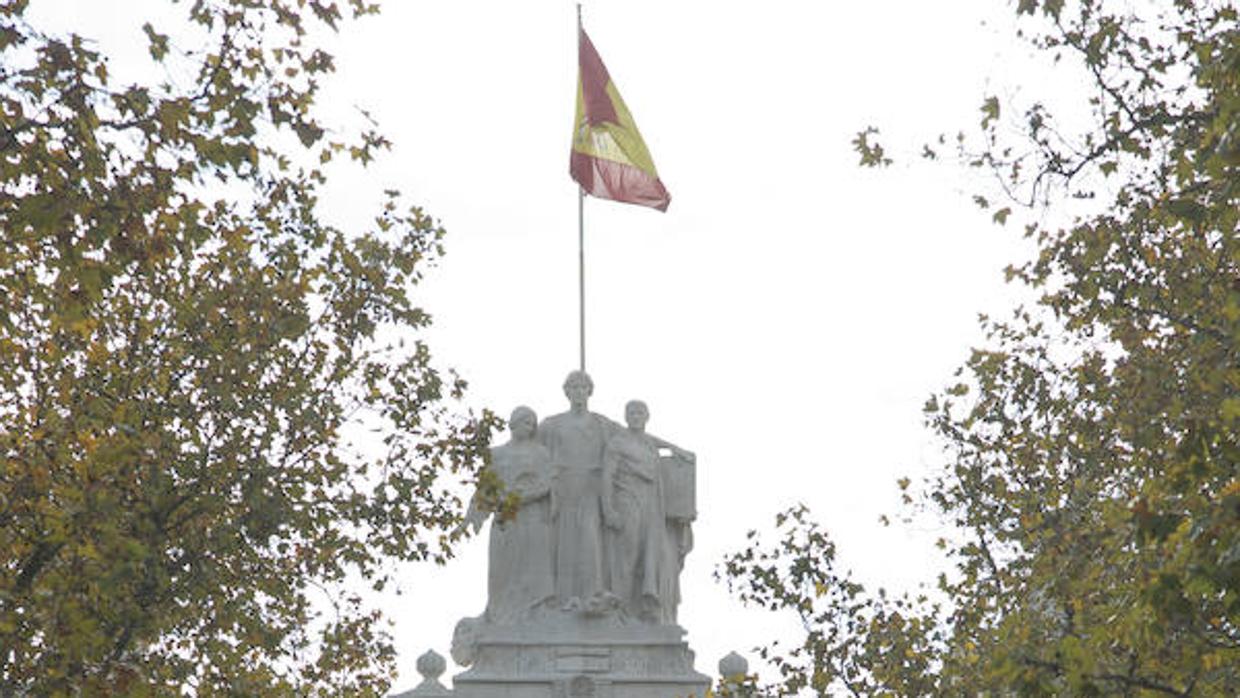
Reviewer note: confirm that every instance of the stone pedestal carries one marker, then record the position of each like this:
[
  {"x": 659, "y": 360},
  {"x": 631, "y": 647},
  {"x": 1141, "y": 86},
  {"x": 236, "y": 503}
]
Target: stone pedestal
[{"x": 574, "y": 657}]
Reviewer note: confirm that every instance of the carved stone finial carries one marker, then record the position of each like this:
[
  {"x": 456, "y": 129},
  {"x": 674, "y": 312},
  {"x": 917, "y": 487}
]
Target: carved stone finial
[
  {"x": 733, "y": 665},
  {"x": 431, "y": 665}
]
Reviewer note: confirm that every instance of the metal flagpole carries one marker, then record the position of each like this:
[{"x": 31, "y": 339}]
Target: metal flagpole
[
  {"x": 580, "y": 267},
  {"x": 581, "y": 236}
]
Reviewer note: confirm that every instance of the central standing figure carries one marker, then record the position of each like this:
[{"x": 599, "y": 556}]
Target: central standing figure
[{"x": 576, "y": 440}]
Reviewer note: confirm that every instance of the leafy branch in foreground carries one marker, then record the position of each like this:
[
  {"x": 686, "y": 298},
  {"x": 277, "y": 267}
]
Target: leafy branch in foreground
[
  {"x": 214, "y": 406},
  {"x": 1091, "y": 472},
  {"x": 866, "y": 644}
]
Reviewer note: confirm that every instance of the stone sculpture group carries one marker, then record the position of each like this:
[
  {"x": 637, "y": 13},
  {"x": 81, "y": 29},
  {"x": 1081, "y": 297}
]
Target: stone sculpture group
[
  {"x": 602, "y": 524},
  {"x": 585, "y": 561}
]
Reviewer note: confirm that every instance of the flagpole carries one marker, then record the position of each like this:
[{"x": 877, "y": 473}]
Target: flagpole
[
  {"x": 581, "y": 272},
  {"x": 581, "y": 245}
]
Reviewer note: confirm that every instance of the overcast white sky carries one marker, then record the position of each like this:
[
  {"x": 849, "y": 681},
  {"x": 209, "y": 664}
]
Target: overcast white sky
[{"x": 785, "y": 319}]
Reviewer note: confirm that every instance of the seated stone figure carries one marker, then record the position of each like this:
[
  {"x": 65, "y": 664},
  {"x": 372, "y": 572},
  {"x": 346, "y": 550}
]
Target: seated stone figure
[{"x": 519, "y": 579}]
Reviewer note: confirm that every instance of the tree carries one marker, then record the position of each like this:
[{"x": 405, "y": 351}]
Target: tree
[
  {"x": 214, "y": 406},
  {"x": 1093, "y": 469}
]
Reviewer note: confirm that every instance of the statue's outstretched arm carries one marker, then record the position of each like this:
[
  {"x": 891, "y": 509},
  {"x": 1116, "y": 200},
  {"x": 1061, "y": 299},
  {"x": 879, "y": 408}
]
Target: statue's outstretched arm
[
  {"x": 610, "y": 428},
  {"x": 676, "y": 450}
]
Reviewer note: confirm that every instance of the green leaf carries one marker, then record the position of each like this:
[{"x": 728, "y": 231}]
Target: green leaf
[
  {"x": 157, "y": 43},
  {"x": 990, "y": 111}
]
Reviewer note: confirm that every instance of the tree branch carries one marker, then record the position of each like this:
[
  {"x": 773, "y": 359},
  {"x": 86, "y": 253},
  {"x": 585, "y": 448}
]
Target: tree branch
[{"x": 1126, "y": 680}]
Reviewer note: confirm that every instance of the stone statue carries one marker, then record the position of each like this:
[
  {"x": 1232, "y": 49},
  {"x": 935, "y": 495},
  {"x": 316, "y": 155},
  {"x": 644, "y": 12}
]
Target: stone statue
[
  {"x": 576, "y": 439},
  {"x": 633, "y": 512},
  {"x": 519, "y": 579},
  {"x": 583, "y": 584},
  {"x": 643, "y": 545}
]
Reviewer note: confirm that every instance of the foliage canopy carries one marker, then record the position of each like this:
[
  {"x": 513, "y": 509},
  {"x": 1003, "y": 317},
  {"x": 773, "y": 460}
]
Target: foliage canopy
[
  {"x": 213, "y": 404},
  {"x": 1093, "y": 469}
]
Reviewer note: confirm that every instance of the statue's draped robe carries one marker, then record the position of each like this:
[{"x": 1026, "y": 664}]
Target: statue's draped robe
[
  {"x": 638, "y": 549},
  {"x": 576, "y": 443},
  {"x": 678, "y": 541},
  {"x": 520, "y": 575}
]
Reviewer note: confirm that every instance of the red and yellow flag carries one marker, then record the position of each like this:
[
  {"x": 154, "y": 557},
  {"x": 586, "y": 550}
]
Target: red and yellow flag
[{"x": 609, "y": 158}]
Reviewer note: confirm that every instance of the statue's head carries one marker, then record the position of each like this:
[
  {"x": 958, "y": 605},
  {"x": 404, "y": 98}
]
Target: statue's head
[
  {"x": 523, "y": 423},
  {"x": 636, "y": 414},
  {"x": 578, "y": 387}
]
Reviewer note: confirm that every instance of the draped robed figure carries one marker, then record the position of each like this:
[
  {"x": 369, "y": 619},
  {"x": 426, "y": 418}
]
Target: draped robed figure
[
  {"x": 576, "y": 440},
  {"x": 520, "y": 574},
  {"x": 644, "y": 545}
]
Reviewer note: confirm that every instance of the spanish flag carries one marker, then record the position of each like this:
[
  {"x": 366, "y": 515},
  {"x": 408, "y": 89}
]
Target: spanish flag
[{"x": 609, "y": 158}]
